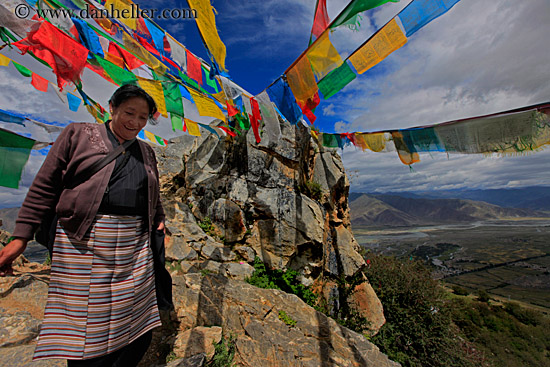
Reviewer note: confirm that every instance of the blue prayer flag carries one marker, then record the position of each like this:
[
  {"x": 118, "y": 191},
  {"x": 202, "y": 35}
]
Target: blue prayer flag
[
  {"x": 282, "y": 96},
  {"x": 420, "y": 12},
  {"x": 74, "y": 102}
]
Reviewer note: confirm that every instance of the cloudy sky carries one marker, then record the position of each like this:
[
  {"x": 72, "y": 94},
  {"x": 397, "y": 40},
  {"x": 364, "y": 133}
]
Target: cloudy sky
[{"x": 481, "y": 57}]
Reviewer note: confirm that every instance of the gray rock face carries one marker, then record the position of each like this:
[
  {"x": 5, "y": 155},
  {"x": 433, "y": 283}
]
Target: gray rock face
[
  {"x": 284, "y": 201},
  {"x": 269, "y": 327}
]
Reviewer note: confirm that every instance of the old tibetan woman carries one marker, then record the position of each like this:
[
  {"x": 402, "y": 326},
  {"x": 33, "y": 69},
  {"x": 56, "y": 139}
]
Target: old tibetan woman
[{"x": 101, "y": 303}]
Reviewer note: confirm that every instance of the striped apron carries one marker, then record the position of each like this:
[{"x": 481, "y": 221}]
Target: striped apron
[{"x": 102, "y": 290}]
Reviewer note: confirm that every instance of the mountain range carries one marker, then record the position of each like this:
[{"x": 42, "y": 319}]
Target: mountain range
[{"x": 437, "y": 207}]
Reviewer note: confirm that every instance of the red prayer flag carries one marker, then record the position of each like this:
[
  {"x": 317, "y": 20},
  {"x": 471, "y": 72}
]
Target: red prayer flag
[
  {"x": 194, "y": 70},
  {"x": 39, "y": 83},
  {"x": 228, "y": 131},
  {"x": 254, "y": 119},
  {"x": 321, "y": 20},
  {"x": 129, "y": 59},
  {"x": 231, "y": 111},
  {"x": 149, "y": 47},
  {"x": 309, "y": 107},
  {"x": 66, "y": 57},
  {"x": 171, "y": 62}
]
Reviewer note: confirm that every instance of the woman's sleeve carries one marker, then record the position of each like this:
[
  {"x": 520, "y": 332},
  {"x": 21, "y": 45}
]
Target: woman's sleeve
[
  {"x": 46, "y": 188},
  {"x": 159, "y": 210}
]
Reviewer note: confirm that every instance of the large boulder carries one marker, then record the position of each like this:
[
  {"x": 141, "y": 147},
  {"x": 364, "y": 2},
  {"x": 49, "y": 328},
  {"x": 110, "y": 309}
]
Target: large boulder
[{"x": 284, "y": 201}]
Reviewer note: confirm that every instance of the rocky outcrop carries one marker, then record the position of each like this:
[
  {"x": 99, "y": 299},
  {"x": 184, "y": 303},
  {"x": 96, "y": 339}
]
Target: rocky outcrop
[
  {"x": 268, "y": 327},
  {"x": 229, "y": 201},
  {"x": 285, "y": 201}
]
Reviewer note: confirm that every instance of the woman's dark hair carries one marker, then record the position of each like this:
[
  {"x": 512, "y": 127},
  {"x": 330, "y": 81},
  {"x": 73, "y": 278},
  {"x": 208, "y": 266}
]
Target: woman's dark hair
[{"x": 128, "y": 91}]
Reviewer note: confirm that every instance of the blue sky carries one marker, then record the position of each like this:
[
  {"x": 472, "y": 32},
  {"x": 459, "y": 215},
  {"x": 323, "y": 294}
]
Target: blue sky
[{"x": 479, "y": 58}]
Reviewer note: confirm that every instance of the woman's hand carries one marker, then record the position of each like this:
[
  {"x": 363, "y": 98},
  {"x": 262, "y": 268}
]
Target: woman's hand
[
  {"x": 161, "y": 227},
  {"x": 9, "y": 253}
]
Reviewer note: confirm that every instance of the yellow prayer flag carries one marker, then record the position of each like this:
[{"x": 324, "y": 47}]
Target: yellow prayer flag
[
  {"x": 323, "y": 56},
  {"x": 192, "y": 127},
  {"x": 206, "y": 106},
  {"x": 375, "y": 141},
  {"x": 383, "y": 43},
  {"x": 123, "y": 10},
  {"x": 206, "y": 22},
  {"x": 4, "y": 60},
  {"x": 150, "y": 136},
  {"x": 140, "y": 52},
  {"x": 220, "y": 97},
  {"x": 301, "y": 80},
  {"x": 154, "y": 88}
]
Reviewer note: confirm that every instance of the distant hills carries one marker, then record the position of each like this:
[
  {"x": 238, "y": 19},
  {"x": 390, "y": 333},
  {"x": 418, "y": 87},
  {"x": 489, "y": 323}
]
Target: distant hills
[
  {"x": 535, "y": 197},
  {"x": 437, "y": 207}
]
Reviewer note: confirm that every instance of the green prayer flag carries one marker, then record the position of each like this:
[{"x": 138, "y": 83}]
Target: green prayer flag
[
  {"x": 172, "y": 98},
  {"x": 14, "y": 154},
  {"x": 336, "y": 80},
  {"x": 357, "y": 6},
  {"x": 210, "y": 82},
  {"x": 160, "y": 140},
  {"x": 330, "y": 141},
  {"x": 119, "y": 75},
  {"x": 177, "y": 122},
  {"x": 22, "y": 70}
]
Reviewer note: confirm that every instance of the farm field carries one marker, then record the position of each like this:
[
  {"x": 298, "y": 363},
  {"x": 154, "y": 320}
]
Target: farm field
[{"x": 510, "y": 259}]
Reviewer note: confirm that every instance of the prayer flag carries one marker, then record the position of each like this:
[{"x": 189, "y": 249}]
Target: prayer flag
[
  {"x": 210, "y": 129},
  {"x": 422, "y": 140},
  {"x": 228, "y": 131},
  {"x": 280, "y": 93},
  {"x": 22, "y": 70},
  {"x": 157, "y": 35},
  {"x": 406, "y": 155},
  {"x": 373, "y": 141},
  {"x": 14, "y": 154},
  {"x": 154, "y": 88},
  {"x": 74, "y": 102},
  {"x": 321, "y": 20},
  {"x": 336, "y": 80},
  {"x": 420, "y": 12},
  {"x": 4, "y": 61},
  {"x": 65, "y": 56},
  {"x": 301, "y": 80},
  {"x": 211, "y": 82},
  {"x": 384, "y": 42},
  {"x": 206, "y": 106},
  {"x": 131, "y": 61},
  {"x": 125, "y": 12},
  {"x": 194, "y": 70},
  {"x": 117, "y": 74},
  {"x": 206, "y": 22},
  {"x": 355, "y": 7},
  {"x": 323, "y": 56},
  {"x": 309, "y": 106},
  {"x": 231, "y": 111},
  {"x": 254, "y": 119},
  {"x": 177, "y": 122},
  {"x": 178, "y": 52},
  {"x": 332, "y": 140},
  {"x": 135, "y": 48},
  {"x": 39, "y": 83},
  {"x": 192, "y": 128},
  {"x": 269, "y": 116},
  {"x": 6, "y": 116},
  {"x": 89, "y": 38},
  {"x": 172, "y": 97}
]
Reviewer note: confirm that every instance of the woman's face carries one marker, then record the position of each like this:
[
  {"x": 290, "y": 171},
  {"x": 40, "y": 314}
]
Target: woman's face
[{"x": 129, "y": 118}]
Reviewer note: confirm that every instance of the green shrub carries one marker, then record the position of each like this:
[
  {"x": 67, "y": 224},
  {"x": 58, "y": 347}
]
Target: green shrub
[
  {"x": 312, "y": 189},
  {"x": 224, "y": 352},
  {"x": 286, "y": 319},
  {"x": 207, "y": 226},
  {"x": 278, "y": 279},
  {"x": 460, "y": 291},
  {"x": 418, "y": 328}
]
